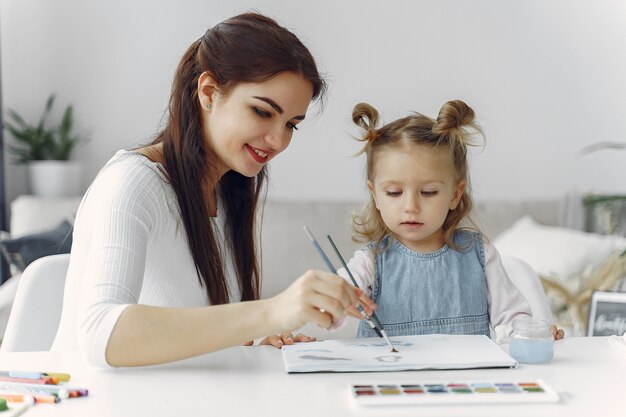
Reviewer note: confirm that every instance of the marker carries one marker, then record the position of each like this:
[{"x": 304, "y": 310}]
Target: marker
[
  {"x": 43, "y": 381},
  {"x": 22, "y": 374},
  {"x": 36, "y": 375},
  {"x": 18, "y": 398},
  {"x": 60, "y": 375},
  {"x": 33, "y": 389},
  {"x": 15, "y": 410}
]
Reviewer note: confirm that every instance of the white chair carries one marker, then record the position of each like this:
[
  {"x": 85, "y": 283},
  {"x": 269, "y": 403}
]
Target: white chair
[
  {"x": 36, "y": 311},
  {"x": 527, "y": 281}
]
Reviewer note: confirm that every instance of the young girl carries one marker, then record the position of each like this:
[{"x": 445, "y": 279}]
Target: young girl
[{"x": 425, "y": 272}]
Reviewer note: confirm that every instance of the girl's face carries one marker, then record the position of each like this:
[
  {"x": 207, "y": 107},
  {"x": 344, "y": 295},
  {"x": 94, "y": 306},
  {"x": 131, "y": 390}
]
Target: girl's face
[
  {"x": 414, "y": 188},
  {"x": 254, "y": 122}
]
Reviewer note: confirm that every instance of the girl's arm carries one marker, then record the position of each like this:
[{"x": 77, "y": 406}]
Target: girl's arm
[
  {"x": 505, "y": 300},
  {"x": 362, "y": 267}
]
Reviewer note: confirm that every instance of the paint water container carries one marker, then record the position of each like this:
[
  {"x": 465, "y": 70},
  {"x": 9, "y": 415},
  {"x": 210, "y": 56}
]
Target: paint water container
[{"x": 531, "y": 341}]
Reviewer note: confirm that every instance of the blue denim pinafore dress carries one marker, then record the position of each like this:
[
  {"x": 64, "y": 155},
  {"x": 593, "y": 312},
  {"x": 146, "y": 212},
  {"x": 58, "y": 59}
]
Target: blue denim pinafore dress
[{"x": 442, "y": 292}]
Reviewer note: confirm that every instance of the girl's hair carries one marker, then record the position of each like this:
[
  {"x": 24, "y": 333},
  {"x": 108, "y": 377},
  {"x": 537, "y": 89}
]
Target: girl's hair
[
  {"x": 249, "y": 48},
  {"x": 451, "y": 131}
]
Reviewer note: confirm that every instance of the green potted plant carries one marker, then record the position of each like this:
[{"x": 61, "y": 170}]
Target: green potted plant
[
  {"x": 605, "y": 213},
  {"x": 46, "y": 151}
]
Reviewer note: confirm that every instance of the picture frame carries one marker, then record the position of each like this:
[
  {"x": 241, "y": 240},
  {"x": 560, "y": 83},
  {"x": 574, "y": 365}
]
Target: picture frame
[{"x": 607, "y": 314}]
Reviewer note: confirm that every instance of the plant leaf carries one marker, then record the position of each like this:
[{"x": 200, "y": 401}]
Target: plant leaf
[
  {"x": 37, "y": 142},
  {"x": 602, "y": 145},
  {"x": 46, "y": 112},
  {"x": 16, "y": 118},
  {"x": 66, "y": 123}
]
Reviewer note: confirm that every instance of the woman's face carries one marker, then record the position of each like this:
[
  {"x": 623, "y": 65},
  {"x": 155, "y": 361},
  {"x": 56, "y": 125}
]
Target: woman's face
[{"x": 254, "y": 122}]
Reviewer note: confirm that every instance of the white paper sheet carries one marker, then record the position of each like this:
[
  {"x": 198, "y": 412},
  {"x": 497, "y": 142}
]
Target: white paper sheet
[{"x": 414, "y": 353}]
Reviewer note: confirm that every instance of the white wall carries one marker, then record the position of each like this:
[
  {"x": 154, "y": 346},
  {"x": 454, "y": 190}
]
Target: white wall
[{"x": 545, "y": 78}]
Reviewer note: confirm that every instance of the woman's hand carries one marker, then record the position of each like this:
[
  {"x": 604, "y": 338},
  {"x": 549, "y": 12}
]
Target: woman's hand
[
  {"x": 557, "y": 334},
  {"x": 280, "y": 340},
  {"x": 317, "y": 296}
]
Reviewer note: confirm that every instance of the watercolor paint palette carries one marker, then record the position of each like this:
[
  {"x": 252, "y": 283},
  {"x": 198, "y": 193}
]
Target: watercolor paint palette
[{"x": 456, "y": 392}]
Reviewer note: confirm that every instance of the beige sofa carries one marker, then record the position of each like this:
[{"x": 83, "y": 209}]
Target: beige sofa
[{"x": 286, "y": 250}]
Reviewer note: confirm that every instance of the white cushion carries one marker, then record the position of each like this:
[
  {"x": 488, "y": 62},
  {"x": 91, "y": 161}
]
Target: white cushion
[
  {"x": 556, "y": 250},
  {"x": 33, "y": 214}
]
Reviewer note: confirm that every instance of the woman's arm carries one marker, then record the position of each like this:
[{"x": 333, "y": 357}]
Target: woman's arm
[
  {"x": 123, "y": 213},
  {"x": 362, "y": 267},
  {"x": 147, "y": 335}
]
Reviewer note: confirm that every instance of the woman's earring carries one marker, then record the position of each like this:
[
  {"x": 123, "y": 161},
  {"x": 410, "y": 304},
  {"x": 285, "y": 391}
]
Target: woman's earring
[{"x": 208, "y": 106}]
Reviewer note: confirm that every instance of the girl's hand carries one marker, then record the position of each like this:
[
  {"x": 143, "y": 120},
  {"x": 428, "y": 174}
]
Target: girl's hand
[
  {"x": 319, "y": 297},
  {"x": 368, "y": 306},
  {"x": 557, "y": 334},
  {"x": 280, "y": 340}
]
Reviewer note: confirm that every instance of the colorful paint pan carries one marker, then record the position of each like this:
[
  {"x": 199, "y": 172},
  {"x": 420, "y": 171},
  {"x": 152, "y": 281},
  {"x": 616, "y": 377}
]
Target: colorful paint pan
[{"x": 453, "y": 392}]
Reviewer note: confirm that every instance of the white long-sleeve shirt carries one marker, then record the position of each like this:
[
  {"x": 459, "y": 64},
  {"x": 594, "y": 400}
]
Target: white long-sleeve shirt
[
  {"x": 129, "y": 247},
  {"x": 505, "y": 301}
]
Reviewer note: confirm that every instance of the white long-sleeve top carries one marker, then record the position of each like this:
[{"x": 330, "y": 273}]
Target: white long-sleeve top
[
  {"x": 505, "y": 301},
  {"x": 129, "y": 247}
]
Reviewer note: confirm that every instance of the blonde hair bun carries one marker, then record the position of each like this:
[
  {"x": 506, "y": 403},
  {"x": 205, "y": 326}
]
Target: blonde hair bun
[
  {"x": 366, "y": 117},
  {"x": 456, "y": 121}
]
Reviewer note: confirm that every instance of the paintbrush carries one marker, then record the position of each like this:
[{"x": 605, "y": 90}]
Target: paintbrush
[
  {"x": 332, "y": 269},
  {"x": 374, "y": 318}
]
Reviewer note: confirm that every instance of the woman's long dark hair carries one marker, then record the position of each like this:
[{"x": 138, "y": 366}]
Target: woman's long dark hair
[{"x": 245, "y": 48}]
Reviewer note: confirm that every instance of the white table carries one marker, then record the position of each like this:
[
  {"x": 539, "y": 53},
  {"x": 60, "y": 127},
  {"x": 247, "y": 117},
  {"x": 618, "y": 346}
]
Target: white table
[{"x": 589, "y": 375}]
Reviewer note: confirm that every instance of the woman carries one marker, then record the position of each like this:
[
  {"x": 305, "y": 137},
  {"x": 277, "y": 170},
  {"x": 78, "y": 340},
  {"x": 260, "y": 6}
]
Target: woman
[{"x": 164, "y": 239}]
